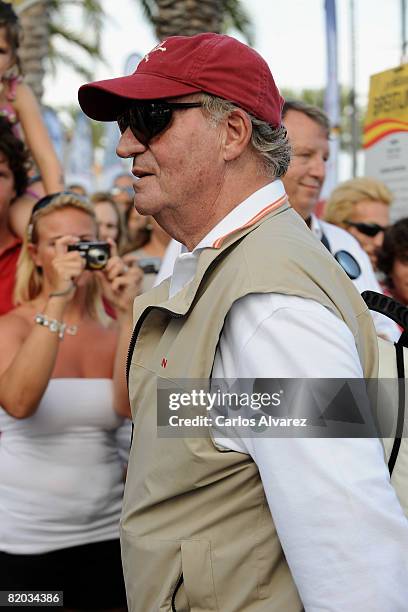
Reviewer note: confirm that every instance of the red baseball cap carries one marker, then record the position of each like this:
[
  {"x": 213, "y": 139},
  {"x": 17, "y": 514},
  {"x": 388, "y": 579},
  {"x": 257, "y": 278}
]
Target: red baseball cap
[{"x": 180, "y": 65}]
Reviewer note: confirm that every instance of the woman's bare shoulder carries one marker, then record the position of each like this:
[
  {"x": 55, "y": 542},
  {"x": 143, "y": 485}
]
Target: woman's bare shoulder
[
  {"x": 17, "y": 322},
  {"x": 15, "y": 326}
]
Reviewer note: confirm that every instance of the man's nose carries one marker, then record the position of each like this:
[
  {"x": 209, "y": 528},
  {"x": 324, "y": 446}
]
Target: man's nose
[
  {"x": 318, "y": 167},
  {"x": 129, "y": 145}
]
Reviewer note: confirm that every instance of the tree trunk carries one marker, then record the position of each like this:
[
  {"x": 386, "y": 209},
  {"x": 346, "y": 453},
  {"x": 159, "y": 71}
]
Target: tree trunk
[
  {"x": 35, "y": 44},
  {"x": 187, "y": 17}
]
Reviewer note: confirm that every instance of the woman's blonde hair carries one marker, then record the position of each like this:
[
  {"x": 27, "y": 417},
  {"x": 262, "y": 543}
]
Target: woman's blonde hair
[
  {"x": 340, "y": 205},
  {"x": 29, "y": 279}
]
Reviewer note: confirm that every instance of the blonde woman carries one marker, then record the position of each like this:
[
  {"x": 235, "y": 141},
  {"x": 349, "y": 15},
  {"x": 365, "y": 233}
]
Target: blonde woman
[
  {"x": 362, "y": 207},
  {"x": 63, "y": 395}
]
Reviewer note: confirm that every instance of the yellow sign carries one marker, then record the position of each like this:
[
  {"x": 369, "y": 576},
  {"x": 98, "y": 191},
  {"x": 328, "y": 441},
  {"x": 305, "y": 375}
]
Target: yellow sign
[{"x": 387, "y": 105}]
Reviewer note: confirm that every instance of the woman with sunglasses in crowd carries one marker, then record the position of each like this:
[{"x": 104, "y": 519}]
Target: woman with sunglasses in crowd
[
  {"x": 362, "y": 207},
  {"x": 63, "y": 396}
]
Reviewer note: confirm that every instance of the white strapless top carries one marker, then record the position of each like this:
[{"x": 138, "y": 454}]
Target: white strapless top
[{"x": 60, "y": 472}]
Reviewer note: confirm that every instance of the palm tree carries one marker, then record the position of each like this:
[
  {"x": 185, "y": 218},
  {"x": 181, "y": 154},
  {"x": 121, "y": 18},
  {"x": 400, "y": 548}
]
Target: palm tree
[
  {"x": 43, "y": 25},
  {"x": 189, "y": 17}
]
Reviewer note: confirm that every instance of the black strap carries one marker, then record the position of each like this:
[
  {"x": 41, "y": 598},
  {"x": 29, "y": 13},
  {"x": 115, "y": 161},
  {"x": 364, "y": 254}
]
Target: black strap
[
  {"x": 325, "y": 242},
  {"x": 398, "y": 313},
  {"x": 399, "y": 351},
  {"x": 388, "y": 307}
]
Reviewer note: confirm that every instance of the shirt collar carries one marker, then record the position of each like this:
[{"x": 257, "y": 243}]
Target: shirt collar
[
  {"x": 315, "y": 227},
  {"x": 247, "y": 212}
]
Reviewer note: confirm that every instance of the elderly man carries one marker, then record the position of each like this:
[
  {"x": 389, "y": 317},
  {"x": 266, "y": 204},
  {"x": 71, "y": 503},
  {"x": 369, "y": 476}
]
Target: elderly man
[
  {"x": 308, "y": 131},
  {"x": 362, "y": 207},
  {"x": 240, "y": 524}
]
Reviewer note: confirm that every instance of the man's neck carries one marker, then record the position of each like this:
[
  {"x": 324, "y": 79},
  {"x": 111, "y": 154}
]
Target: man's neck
[{"x": 190, "y": 231}]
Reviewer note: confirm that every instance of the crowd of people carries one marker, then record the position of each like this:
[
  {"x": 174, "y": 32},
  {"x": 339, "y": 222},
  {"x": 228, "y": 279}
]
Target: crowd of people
[{"x": 234, "y": 275}]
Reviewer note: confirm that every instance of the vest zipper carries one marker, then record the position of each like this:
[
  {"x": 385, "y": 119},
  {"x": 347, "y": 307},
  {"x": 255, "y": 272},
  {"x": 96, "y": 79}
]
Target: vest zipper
[
  {"x": 176, "y": 588},
  {"x": 135, "y": 334}
]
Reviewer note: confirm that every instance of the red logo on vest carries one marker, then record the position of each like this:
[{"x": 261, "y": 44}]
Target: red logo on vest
[{"x": 164, "y": 362}]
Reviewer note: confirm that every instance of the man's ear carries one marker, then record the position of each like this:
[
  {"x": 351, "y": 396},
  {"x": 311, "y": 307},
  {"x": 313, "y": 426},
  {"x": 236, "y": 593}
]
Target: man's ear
[{"x": 238, "y": 132}]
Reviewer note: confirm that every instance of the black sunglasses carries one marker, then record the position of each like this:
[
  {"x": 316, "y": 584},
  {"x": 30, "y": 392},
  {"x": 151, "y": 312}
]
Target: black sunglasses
[
  {"x": 150, "y": 118},
  {"x": 369, "y": 229}
]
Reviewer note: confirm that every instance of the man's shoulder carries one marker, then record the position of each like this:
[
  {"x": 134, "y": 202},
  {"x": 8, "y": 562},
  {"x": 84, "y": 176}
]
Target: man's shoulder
[{"x": 281, "y": 237}]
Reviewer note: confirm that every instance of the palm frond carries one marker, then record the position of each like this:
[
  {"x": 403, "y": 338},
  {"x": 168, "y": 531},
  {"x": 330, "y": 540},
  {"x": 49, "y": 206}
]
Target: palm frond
[
  {"x": 91, "y": 48},
  {"x": 149, "y": 9},
  {"x": 92, "y": 12},
  {"x": 57, "y": 57}
]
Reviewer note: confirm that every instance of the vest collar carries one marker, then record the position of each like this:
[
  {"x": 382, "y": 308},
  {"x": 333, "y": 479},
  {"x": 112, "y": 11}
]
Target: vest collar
[{"x": 181, "y": 303}]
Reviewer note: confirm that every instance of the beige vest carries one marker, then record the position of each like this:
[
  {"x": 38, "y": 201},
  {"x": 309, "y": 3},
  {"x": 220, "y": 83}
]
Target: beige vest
[{"x": 196, "y": 530}]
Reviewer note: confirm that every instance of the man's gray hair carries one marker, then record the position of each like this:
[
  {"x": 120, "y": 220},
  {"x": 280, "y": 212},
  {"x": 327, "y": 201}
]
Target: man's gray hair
[
  {"x": 271, "y": 144},
  {"x": 313, "y": 112}
]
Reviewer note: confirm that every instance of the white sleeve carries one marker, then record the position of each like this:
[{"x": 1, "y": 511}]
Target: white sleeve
[{"x": 341, "y": 527}]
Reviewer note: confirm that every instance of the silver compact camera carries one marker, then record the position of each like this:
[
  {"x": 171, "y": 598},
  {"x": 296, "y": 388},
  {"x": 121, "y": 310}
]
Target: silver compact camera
[{"x": 95, "y": 253}]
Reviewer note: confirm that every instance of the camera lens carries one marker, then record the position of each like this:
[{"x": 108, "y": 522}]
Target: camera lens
[{"x": 97, "y": 258}]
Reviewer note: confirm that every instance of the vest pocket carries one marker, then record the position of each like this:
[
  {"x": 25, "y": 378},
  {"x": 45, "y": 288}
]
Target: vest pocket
[
  {"x": 167, "y": 575},
  {"x": 198, "y": 575}
]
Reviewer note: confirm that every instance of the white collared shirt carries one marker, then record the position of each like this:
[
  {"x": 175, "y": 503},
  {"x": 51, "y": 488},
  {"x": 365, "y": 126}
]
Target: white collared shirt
[{"x": 339, "y": 522}]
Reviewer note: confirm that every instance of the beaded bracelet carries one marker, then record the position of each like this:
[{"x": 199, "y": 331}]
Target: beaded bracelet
[{"x": 55, "y": 326}]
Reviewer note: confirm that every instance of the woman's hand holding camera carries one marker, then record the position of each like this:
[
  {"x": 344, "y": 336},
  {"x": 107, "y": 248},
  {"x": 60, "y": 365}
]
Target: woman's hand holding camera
[{"x": 66, "y": 267}]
